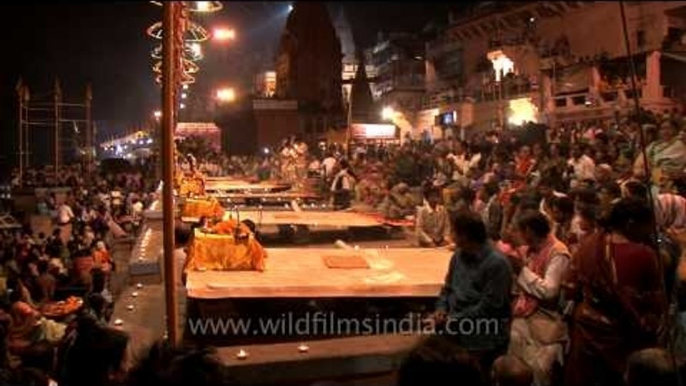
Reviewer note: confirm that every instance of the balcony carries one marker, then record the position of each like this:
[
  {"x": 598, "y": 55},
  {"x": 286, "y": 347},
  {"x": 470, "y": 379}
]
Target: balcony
[{"x": 441, "y": 47}]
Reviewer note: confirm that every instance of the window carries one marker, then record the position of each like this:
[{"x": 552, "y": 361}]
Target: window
[
  {"x": 640, "y": 38},
  {"x": 579, "y": 100},
  {"x": 561, "y": 102}
]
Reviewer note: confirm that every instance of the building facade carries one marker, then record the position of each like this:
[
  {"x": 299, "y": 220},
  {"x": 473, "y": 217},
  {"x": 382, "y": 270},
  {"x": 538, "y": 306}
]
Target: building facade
[
  {"x": 507, "y": 63},
  {"x": 400, "y": 76}
]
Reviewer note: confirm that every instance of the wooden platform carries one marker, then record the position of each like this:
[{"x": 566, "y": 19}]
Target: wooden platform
[
  {"x": 308, "y": 218},
  {"x": 232, "y": 185},
  {"x": 301, "y": 273},
  {"x": 268, "y": 196}
]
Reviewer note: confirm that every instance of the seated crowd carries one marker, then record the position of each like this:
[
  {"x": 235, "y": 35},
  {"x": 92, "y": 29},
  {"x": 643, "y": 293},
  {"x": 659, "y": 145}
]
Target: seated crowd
[{"x": 557, "y": 250}]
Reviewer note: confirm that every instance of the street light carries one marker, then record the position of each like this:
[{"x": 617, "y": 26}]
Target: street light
[
  {"x": 223, "y": 34},
  {"x": 226, "y": 95},
  {"x": 202, "y": 6},
  {"x": 387, "y": 113}
]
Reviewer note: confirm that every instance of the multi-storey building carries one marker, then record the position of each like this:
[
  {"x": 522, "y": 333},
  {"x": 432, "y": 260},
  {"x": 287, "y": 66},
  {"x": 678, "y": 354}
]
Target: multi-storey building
[
  {"x": 400, "y": 75},
  {"x": 506, "y": 63}
]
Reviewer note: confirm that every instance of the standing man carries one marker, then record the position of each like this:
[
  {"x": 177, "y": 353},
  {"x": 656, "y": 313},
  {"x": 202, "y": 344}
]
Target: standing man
[
  {"x": 581, "y": 166},
  {"x": 342, "y": 186},
  {"x": 64, "y": 219},
  {"x": 474, "y": 304}
]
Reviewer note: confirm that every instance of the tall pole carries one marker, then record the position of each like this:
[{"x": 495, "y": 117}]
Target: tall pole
[
  {"x": 89, "y": 131},
  {"x": 170, "y": 24},
  {"x": 27, "y": 140},
  {"x": 58, "y": 101},
  {"x": 20, "y": 94}
]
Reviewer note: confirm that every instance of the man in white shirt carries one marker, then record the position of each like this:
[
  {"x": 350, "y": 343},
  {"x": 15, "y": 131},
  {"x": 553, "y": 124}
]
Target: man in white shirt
[
  {"x": 64, "y": 214},
  {"x": 582, "y": 165},
  {"x": 459, "y": 160},
  {"x": 64, "y": 217},
  {"x": 342, "y": 186},
  {"x": 538, "y": 286}
]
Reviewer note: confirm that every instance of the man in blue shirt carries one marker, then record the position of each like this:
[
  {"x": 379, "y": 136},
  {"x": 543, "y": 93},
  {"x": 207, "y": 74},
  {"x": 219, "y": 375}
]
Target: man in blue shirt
[{"x": 473, "y": 308}]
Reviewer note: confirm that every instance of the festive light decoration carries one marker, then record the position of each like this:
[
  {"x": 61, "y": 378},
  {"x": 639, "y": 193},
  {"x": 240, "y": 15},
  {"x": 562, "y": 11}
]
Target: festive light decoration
[{"x": 190, "y": 36}]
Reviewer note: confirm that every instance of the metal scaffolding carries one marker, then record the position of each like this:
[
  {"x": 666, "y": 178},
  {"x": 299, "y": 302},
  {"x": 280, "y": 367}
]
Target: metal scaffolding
[{"x": 50, "y": 111}]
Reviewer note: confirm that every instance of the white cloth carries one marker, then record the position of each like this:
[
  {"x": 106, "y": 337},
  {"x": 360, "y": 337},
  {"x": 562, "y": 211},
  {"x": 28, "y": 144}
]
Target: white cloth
[
  {"x": 64, "y": 214},
  {"x": 584, "y": 168},
  {"x": 548, "y": 286},
  {"x": 346, "y": 181},
  {"x": 460, "y": 162},
  {"x": 328, "y": 164}
]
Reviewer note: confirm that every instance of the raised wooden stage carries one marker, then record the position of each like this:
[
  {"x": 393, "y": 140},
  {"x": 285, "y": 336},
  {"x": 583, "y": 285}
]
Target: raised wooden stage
[
  {"x": 307, "y": 218},
  {"x": 302, "y": 273},
  {"x": 233, "y": 185}
]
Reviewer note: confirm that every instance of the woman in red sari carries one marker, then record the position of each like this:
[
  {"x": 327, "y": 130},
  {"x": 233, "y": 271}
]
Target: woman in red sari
[{"x": 616, "y": 282}]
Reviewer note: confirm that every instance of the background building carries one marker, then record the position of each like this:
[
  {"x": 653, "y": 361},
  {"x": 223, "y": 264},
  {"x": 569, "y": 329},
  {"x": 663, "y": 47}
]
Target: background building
[
  {"x": 507, "y": 63},
  {"x": 309, "y": 68}
]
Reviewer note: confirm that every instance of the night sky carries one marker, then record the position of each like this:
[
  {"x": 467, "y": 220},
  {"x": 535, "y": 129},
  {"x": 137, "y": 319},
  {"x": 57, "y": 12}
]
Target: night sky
[{"x": 106, "y": 44}]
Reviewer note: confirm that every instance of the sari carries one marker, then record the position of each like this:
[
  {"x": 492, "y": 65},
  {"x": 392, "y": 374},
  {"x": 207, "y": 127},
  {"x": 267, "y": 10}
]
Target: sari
[{"x": 620, "y": 303}]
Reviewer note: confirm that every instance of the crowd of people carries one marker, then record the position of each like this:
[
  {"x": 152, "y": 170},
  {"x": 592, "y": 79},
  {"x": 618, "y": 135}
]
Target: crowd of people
[
  {"x": 569, "y": 236},
  {"x": 55, "y": 277},
  {"x": 572, "y": 234},
  {"x": 570, "y": 241}
]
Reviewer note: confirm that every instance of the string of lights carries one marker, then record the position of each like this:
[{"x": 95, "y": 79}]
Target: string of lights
[{"x": 192, "y": 35}]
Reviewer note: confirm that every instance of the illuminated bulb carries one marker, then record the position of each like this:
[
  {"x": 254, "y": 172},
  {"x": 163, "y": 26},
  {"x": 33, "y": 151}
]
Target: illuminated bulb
[
  {"x": 242, "y": 354},
  {"x": 224, "y": 34},
  {"x": 196, "y": 48},
  {"x": 185, "y": 87},
  {"x": 303, "y": 348},
  {"x": 202, "y": 6},
  {"x": 387, "y": 113},
  {"x": 184, "y": 95},
  {"x": 226, "y": 95}
]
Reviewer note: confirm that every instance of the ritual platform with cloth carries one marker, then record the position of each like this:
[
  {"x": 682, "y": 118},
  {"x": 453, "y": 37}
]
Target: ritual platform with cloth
[
  {"x": 305, "y": 273},
  {"x": 232, "y": 247}
]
